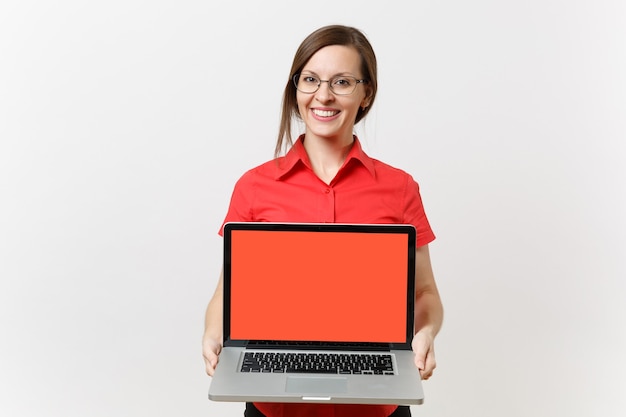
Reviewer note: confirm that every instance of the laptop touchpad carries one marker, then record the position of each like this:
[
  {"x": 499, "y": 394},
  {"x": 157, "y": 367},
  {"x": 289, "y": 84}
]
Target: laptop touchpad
[{"x": 316, "y": 385}]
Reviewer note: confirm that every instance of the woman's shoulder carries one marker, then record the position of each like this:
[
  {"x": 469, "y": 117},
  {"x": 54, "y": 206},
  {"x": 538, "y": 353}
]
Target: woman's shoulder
[
  {"x": 266, "y": 170},
  {"x": 390, "y": 171}
]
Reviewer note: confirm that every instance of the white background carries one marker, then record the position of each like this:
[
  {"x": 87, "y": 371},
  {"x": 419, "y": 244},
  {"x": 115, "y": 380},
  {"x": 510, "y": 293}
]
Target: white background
[{"x": 124, "y": 125}]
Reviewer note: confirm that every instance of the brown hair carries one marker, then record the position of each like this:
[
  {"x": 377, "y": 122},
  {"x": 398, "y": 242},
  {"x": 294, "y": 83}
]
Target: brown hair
[{"x": 325, "y": 36}]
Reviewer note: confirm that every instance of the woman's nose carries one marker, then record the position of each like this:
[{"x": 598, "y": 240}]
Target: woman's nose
[{"x": 324, "y": 93}]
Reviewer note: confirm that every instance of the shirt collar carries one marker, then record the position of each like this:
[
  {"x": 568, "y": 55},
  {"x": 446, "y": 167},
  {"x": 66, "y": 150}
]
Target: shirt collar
[{"x": 297, "y": 155}]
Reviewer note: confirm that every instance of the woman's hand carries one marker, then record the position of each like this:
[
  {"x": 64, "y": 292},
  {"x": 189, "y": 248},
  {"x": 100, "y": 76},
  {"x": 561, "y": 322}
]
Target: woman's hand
[
  {"x": 212, "y": 339},
  {"x": 424, "y": 350},
  {"x": 428, "y": 313},
  {"x": 211, "y": 349}
]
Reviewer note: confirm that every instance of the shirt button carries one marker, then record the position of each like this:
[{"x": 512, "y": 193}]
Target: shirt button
[{"x": 326, "y": 191}]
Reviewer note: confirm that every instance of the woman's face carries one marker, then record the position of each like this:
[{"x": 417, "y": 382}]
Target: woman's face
[{"x": 326, "y": 114}]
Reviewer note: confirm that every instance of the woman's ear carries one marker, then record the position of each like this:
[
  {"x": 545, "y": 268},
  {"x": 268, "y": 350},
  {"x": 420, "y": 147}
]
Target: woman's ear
[{"x": 366, "y": 101}]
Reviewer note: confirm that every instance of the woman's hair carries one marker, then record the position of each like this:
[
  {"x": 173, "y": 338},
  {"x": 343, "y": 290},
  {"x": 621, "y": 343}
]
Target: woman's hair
[{"x": 325, "y": 36}]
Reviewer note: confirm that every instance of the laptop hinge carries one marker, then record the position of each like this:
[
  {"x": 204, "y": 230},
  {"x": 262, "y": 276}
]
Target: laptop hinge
[{"x": 253, "y": 344}]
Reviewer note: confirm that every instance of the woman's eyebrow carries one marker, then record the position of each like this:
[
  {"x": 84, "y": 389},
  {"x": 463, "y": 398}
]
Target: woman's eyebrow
[{"x": 338, "y": 74}]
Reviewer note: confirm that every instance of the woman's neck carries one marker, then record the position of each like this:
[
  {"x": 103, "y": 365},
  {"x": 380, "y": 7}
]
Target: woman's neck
[{"x": 327, "y": 155}]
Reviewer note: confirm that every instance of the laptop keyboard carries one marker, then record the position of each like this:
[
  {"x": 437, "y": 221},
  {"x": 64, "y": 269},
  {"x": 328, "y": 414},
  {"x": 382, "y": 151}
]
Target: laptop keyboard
[{"x": 318, "y": 363}]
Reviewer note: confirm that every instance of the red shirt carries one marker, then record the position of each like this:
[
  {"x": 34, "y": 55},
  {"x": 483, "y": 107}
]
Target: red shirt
[{"x": 364, "y": 190}]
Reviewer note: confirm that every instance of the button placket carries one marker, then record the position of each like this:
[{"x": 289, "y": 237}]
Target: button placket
[{"x": 328, "y": 210}]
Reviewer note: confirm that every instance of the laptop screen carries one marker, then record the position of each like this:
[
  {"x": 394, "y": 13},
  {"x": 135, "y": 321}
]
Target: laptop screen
[{"x": 311, "y": 285}]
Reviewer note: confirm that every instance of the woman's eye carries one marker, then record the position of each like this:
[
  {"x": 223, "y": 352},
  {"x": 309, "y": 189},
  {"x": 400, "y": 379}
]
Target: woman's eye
[{"x": 342, "y": 82}]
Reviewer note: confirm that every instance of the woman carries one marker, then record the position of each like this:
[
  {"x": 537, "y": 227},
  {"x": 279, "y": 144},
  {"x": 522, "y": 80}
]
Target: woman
[{"x": 326, "y": 177}]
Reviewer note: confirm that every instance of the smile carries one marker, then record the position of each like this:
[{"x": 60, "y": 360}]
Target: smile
[{"x": 324, "y": 113}]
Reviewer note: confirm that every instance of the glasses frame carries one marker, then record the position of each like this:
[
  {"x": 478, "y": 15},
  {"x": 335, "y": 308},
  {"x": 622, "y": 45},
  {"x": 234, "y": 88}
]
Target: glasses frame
[{"x": 330, "y": 86}]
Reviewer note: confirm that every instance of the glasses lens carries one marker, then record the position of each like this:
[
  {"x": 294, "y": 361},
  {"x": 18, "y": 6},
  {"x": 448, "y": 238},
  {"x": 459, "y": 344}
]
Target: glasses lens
[
  {"x": 343, "y": 85},
  {"x": 306, "y": 83}
]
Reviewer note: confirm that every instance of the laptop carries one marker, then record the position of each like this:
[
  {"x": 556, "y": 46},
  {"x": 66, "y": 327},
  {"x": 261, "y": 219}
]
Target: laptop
[{"x": 318, "y": 313}]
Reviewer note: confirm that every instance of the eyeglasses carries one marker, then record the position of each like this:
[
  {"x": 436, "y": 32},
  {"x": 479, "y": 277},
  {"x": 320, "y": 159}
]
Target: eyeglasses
[{"x": 342, "y": 85}]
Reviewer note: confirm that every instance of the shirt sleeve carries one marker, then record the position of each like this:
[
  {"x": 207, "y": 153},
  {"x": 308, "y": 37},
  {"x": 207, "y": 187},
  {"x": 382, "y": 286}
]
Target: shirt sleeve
[
  {"x": 414, "y": 213},
  {"x": 240, "y": 208}
]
